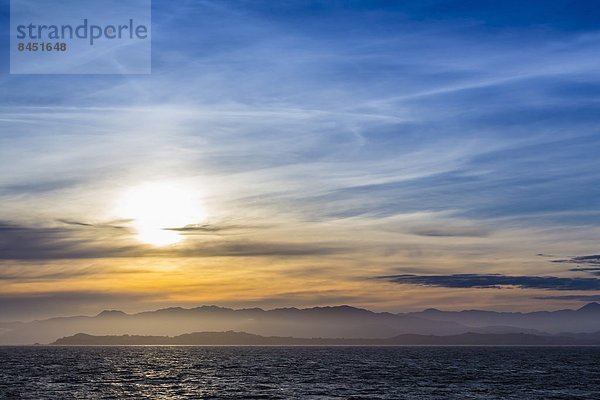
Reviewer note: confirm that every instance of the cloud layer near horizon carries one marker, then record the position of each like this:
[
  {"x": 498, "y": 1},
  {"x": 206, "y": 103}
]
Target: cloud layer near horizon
[{"x": 497, "y": 281}]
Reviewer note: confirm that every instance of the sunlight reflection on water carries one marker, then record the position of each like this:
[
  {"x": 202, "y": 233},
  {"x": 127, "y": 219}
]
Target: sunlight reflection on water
[{"x": 300, "y": 372}]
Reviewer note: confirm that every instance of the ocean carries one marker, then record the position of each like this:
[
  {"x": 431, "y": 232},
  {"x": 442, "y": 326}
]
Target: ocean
[{"x": 164, "y": 372}]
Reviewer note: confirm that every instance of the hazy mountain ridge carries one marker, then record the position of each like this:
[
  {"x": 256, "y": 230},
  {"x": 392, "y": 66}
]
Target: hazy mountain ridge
[
  {"x": 322, "y": 322},
  {"x": 584, "y": 319},
  {"x": 231, "y": 338}
]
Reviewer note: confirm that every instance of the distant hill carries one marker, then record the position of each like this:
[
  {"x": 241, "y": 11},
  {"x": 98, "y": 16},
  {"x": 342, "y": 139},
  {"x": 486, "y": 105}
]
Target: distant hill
[
  {"x": 231, "y": 338},
  {"x": 324, "y": 322},
  {"x": 585, "y": 319}
]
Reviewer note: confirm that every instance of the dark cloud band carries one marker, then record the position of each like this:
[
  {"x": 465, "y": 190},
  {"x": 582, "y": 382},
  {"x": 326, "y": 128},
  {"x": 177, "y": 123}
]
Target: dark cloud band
[
  {"x": 586, "y": 260},
  {"x": 583, "y": 297},
  {"x": 497, "y": 281}
]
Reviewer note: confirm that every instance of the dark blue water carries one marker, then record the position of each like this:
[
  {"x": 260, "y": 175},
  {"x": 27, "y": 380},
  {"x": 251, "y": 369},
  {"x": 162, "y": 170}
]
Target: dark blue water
[{"x": 300, "y": 372}]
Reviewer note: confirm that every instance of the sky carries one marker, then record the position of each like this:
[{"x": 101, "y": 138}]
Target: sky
[{"x": 388, "y": 155}]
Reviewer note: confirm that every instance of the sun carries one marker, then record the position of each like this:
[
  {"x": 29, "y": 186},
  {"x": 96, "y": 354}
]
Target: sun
[{"x": 157, "y": 209}]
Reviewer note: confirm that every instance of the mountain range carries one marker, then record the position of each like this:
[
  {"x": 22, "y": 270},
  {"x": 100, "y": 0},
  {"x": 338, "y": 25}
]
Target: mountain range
[
  {"x": 318, "y": 322},
  {"x": 231, "y": 338}
]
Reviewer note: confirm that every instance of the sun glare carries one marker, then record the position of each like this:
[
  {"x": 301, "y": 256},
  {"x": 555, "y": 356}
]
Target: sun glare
[{"x": 157, "y": 209}]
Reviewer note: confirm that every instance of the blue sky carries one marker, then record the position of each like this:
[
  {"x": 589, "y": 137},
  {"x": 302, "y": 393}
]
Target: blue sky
[{"x": 422, "y": 137}]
